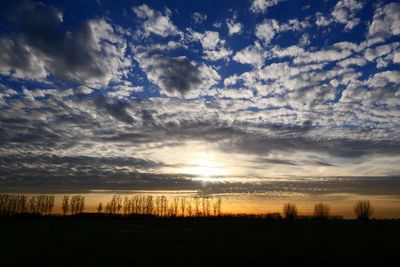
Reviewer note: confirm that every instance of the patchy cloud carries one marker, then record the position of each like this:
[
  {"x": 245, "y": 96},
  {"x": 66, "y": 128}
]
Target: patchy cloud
[
  {"x": 98, "y": 100},
  {"x": 155, "y": 21},
  {"x": 90, "y": 54},
  {"x": 260, "y": 6}
]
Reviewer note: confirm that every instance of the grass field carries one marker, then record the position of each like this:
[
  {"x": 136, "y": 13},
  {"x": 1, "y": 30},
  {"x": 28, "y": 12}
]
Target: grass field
[{"x": 119, "y": 241}]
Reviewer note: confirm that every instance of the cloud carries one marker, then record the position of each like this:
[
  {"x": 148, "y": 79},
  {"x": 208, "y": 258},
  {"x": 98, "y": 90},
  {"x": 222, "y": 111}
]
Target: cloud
[
  {"x": 386, "y": 21},
  {"x": 213, "y": 46},
  {"x": 124, "y": 90},
  {"x": 234, "y": 27},
  {"x": 117, "y": 110},
  {"x": 344, "y": 12},
  {"x": 178, "y": 76},
  {"x": 254, "y": 55},
  {"x": 155, "y": 21},
  {"x": 371, "y": 54},
  {"x": 91, "y": 54},
  {"x": 326, "y": 55},
  {"x": 269, "y": 28},
  {"x": 261, "y": 6},
  {"x": 199, "y": 18}
]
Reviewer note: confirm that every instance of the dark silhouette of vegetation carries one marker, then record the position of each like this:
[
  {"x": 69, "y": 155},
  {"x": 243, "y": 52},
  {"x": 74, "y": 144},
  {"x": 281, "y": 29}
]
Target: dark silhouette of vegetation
[
  {"x": 65, "y": 205},
  {"x": 160, "y": 206},
  {"x": 16, "y": 204},
  {"x": 100, "y": 208},
  {"x": 77, "y": 204},
  {"x": 363, "y": 210},
  {"x": 290, "y": 211},
  {"x": 321, "y": 211}
]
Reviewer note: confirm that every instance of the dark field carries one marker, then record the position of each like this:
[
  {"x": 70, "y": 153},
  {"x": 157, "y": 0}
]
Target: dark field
[{"x": 117, "y": 241}]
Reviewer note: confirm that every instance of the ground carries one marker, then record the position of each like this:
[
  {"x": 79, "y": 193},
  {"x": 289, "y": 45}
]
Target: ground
[{"x": 118, "y": 241}]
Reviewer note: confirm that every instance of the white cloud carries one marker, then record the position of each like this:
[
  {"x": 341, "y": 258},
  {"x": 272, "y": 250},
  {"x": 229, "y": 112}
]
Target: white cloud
[
  {"x": 382, "y": 79},
  {"x": 260, "y": 6},
  {"x": 231, "y": 80},
  {"x": 209, "y": 40},
  {"x": 396, "y": 57},
  {"x": 235, "y": 93},
  {"x": 234, "y": 27},
  {"x": 304, "y": 40},
  {"x": 219, "y": 53},
  {"x": 213, "y": 45},
  {"x": 254, "y": 55},
  {"x": 321, "y": 20},
  {"x": 156, "y": 22},
  {"x": 327, "y": 55},
  {"x": 267, "y": 30},
  {"x": 386, "y": 21},
  {"x": 124, "y": 90},
  {"x": 84, "y": 90},
  {"x": 371, "y": 54},
  {"x": 353, "y": 61},
  {"x": 199, "y": 18},
  {"x": 344, "y": 12},
  {"x": 291, "y": 51}
]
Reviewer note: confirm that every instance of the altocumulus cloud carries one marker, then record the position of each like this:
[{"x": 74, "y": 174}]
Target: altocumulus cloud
[{"x": 103, "y": 99}]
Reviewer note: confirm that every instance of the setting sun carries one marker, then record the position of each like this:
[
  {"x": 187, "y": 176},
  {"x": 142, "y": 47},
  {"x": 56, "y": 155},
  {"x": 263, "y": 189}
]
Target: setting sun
[{"x": 205, "y": 165}]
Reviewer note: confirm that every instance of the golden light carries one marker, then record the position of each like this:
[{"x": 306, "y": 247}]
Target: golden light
[{"x": 205, "y": 165}]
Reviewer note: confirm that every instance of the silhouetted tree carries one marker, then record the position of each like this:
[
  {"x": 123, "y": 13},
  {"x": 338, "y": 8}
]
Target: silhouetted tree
[
  {"x": 183, "y": 206},
  {"x": 363, "y": 210},
  {"x": 321, "y": 211},
  {"x": 197, "y": 206},
  {"x": 127, "y": 205},
  {"x": 100, "y": 208},
  {"x": 290, "y": 211},
  {"x": 77, "y": 204},
  {"x": 217, "y": 207},
  {"x": 65, "y": 205}
]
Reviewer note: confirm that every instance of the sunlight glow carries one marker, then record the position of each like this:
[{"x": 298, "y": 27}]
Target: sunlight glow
[{"x": 205, "y": 165}]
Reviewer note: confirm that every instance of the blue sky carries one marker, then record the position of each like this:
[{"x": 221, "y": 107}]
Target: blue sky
[{"x": 92, "y": 92}]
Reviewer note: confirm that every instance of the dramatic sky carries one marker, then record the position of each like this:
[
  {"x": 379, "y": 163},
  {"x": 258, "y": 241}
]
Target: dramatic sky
[{"x": 152, "y": 94}]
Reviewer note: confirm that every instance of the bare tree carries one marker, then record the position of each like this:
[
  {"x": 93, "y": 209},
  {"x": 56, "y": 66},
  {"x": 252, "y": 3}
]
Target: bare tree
[
  {"x": 77, "y": 204},
  {"x": 321, "y": 211},
  {"x": 127, "y": 205},
  {"x": 100, "y": 208},
  {"x": 290, "y": 211},
  {"x": 183, "y": 206},
  {"x": 189, "y": 208},
  {"x": 65, "y": 205},
  {"x": 363, "y": 210},
  {"x": 197, "y": 206},
  {"x": 217, "y": 207},
  {"x": 32, "y": 205}
]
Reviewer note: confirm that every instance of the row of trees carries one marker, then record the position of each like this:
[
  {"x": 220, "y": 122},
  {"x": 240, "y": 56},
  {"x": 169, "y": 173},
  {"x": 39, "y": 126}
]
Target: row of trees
[
  {"x": 14, "y": 204},
  {"x": 159, "y": 206},
  {"x": 74, "y": 205},
  {"x": 362, "y": 209},
  {"x": 162, "y": 207}
]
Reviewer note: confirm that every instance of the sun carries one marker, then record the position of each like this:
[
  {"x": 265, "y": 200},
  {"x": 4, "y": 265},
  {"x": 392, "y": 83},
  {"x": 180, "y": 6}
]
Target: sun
[{"x": 205, "y": 165}]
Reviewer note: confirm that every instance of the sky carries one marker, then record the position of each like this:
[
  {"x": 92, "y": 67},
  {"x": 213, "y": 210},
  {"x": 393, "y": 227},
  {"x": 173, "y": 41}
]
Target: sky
[{"x": 175, "y": 94}]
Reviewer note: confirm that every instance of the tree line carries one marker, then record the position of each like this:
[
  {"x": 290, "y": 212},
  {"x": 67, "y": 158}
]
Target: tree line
[
  {"x": 362, "y": 209},
  {"x": 159, "y": 206},
  {"x": 15, "y": 204}
]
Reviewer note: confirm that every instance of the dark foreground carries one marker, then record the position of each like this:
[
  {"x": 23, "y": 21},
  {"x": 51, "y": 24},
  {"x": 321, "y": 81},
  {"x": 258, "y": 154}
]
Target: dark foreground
[{"x": 84, "y": 241}]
